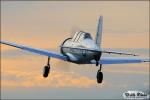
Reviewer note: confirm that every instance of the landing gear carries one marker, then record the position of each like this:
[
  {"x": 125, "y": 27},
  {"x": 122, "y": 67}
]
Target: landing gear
[
  {"x": 99, "y": 75},
  {"x": 97, "y": 63},
  {"x": 46, "y": 69},
  {"x": 97, "y": 58}
]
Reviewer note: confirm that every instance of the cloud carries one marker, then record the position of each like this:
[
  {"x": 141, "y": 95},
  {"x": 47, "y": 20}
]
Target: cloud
[
  {"x": 13, "y": 79},
  {"x": 127, "y": 71},
  {"x": 134, "y": 69}
]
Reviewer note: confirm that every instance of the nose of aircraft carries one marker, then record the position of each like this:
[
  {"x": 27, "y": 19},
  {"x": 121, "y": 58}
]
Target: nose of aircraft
[{"x": 88, "y": 43}]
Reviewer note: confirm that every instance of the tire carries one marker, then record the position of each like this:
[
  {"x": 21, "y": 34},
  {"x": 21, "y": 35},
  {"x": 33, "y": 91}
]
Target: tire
[
  {"x": 46, "y": 71},
  {"x": 99, "y": 77}
]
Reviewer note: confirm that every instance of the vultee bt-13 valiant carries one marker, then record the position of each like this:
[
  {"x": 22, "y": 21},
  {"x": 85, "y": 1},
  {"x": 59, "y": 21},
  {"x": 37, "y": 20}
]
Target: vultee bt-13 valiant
[{"x": 82, "y": 49}]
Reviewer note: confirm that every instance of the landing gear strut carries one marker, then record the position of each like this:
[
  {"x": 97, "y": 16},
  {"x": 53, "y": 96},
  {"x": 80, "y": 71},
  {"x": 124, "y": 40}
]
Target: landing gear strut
[
  {"x": 97, "y": 63},
  {"x": 99, "y": 75},
  {"x": 46, "y": 69}
]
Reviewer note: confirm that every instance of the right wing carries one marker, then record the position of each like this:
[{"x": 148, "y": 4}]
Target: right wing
[{"x": 37, "y": 51}]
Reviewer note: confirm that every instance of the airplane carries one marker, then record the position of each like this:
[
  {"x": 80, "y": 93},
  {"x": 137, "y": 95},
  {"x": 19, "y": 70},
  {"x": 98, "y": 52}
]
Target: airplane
[{"x": 82, "y": 49}]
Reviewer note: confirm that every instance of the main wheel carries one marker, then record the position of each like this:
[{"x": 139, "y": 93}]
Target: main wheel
[
  {"x": 99, "y": 76},
  {"x": 46, "y": 71}
]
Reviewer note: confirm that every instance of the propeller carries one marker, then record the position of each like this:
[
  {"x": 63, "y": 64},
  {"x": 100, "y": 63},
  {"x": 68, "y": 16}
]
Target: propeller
[{"x": 75, "y": 29}]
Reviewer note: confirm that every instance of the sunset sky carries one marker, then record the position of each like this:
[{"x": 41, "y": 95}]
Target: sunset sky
[{"x": 45, "y": 24}]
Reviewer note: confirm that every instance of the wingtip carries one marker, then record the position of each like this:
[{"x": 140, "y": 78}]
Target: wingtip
[{"x": 146, "y": 60}]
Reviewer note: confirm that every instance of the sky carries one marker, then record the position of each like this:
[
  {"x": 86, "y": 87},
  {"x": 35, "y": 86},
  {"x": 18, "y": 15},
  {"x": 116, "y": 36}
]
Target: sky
[{"x": 45, "y": 24}]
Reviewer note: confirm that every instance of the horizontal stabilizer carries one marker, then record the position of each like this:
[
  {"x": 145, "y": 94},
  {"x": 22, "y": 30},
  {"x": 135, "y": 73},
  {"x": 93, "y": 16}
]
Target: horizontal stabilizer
[
  {"x": 120, "y": 53},
  {"x": 119, "y": 60}
]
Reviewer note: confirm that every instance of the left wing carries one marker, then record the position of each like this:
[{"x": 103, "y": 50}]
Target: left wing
[
  {"x": 119, "y": 60},
  {"x": 37, "y": 51}
]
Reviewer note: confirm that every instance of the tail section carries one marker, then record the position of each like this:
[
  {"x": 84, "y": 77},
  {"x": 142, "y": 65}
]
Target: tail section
[{"x": 99, "y": 32}]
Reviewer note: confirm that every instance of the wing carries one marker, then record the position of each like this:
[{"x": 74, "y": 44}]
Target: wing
[
  {"x": 37, "y": 51},
  {"x": 119, "y": 60}
]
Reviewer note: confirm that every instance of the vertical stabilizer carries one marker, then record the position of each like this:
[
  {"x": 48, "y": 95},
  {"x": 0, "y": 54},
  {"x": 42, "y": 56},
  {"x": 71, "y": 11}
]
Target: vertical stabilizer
[{"x": 99, "y": 32}]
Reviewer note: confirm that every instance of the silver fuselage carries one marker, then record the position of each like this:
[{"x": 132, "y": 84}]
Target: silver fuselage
[{"x": 81, "y": 52}]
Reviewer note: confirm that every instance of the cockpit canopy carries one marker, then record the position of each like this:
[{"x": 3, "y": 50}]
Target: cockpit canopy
[{"x": 79, "y": 36}]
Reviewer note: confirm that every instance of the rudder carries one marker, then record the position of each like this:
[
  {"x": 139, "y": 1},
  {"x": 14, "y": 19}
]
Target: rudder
[{"x": 98, "y": 37}]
